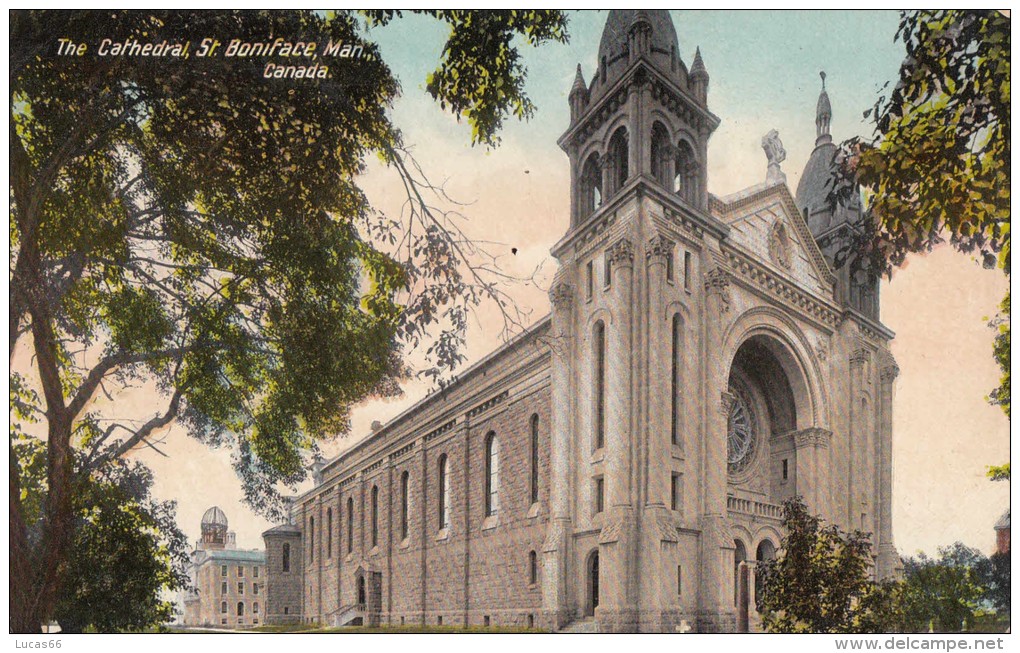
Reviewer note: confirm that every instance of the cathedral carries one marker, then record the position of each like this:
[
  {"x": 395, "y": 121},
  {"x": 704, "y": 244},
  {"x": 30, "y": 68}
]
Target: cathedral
[{"x": 621, "y": 466}]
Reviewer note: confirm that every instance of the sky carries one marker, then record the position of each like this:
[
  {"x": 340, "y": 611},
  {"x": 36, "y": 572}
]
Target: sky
[{"x": 764, "y": 75}]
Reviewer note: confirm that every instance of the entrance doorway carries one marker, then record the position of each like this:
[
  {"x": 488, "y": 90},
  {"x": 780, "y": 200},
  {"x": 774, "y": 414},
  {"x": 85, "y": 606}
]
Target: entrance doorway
[{"x": 593, "y": 584}]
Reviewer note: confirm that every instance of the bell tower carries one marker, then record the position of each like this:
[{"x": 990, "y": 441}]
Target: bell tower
[{"x": 626, "y": 289}]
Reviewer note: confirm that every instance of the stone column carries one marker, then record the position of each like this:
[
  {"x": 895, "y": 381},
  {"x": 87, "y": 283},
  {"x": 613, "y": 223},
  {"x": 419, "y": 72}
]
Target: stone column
[
  {"x": 857, "y": 420},
  {"x": 617, "y": 569},
  {"x": 888, "y": 563},
  {"x": 716, "y": 612},
  {"x": 556, "y": 549},
  {"x": 811, "y": 445},
  {"x": 660, "y": 369}
]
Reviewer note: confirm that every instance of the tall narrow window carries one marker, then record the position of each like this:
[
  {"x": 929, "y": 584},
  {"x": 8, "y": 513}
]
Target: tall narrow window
[
  {"x": 676, "y": 501},
  {"x": 600, "y": 384},
  {"x": 223, "y": 570},
  {"x": 405, "y": 501},
  {"x": 687, "y": 271},
  {"x": 534, "y": 459},
  {"x": 329, "y": 532},
  {"x": 444, "y": 492},
  {"x": 589, "y": 271},
  {"x": 679, "y": 581},
  {"x": 491, "y": 474},
  {"x": 669, "y": 267},
  {"x": 685, "y": 174},
  {"x": 532, "y": 568},
  {"x": 600, "y": 494},
  {"x": 618, "y": 159},
  {"x": 375, "y": 515},
  {"x": 223, "y": 587},
  {"x": 591, "y": 186},
  {"x": 674, "y": 422},
  {"x": 607, "y": 270},
  {"x": 240, "y": 609},
  {"x": 350, "y": 524},
  {"x": 311, "y": 539},
  {"x": 286, "y": 560},
  {"x": 660, "y": 153},
  {"x": 223, "y": 607}
]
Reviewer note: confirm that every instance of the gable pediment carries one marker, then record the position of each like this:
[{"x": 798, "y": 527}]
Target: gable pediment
[{"x": 766, "y": 225}]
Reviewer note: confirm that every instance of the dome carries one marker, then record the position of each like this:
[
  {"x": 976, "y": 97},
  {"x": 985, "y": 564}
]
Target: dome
[
  {"x": 214, "y": 517},
  {"x": 816, "y": 183},
  {"x": 615, "y": 42}
]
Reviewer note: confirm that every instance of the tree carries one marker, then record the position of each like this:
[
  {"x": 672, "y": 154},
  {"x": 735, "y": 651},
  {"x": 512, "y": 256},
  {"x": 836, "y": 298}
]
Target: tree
[
  {"x": 943, "y": 592},
  {"x": 191, "y": 226},
  {"x": 127, "y": 552},
  {"x": 938, "y": 162},
  {"x": 820, "y": 580}
]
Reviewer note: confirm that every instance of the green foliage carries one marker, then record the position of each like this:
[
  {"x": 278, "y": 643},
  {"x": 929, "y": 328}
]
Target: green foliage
[
  {"x": 1000, "y": 396},
  {"x": 820, "y": 581},
  {"x": 945, "y": 592},
  {"x": 995, "y": 576},
  {"x": 999, "y": 472},
  {"x": 127, "y": 554},
  {"x": 939, "y": 161},
  {"x": 195, "y": 227},
  {"x": 481, "y": 76}
]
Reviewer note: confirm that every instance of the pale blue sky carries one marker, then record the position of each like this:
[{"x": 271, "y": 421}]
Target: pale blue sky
[{"x": 763, "y": 65}]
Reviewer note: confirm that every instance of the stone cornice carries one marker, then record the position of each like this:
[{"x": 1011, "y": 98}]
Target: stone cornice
[{"x": 783, "y": 288}]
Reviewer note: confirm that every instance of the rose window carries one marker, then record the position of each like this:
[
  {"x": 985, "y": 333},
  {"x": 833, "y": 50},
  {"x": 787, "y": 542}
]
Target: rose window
[{"x": 742, "y": 435}]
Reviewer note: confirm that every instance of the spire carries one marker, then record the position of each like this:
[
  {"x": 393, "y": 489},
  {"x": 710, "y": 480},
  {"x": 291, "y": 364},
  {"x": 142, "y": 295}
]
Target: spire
[
  {"x": 698, "y": 67},
  {"x": 579, "y": 85},
  {"x": 823, "y": 116}
]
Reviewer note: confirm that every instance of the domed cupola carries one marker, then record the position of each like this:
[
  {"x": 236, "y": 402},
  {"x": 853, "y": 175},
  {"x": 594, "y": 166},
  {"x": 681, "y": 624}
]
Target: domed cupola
[
  {"x": 633, "y": 33},
  {"x": 214, "y": 528}
]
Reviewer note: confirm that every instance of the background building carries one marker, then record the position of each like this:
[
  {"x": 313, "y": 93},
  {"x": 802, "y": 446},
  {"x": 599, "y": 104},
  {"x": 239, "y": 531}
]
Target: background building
[
  {"x": 228, "y": 583},
  {"x": 621, "y": 465}
]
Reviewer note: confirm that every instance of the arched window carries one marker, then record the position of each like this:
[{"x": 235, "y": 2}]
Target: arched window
[
  {"x": 286, "y": 557},
  {"x": 677, "y": 346},
  {"x": 223, "y": 607},
  {"x": 619, "y": 163},
  {"x": 491, "y": 474},
  {"x": 311, "y": 539},
  {"x": 254, "y": 608},
  {"x": 599, "y": 353},
  {"x": 661, "y": 158},
  {"x": 685, "y": 173},
  {"x": 534, "y": 459},
  {"x": 329, "y": 532},
  {"x": 739, "y": 555},
  {"x": 444, "y": 493},
  {"x": 591, "y": 186},
  {"x": 350, "y": 524},
  {"x": 240, "y": 609},
  {"x": 375, "y": 515},
  {"x": 532, "y": 567},
  {"x": 405, "y": 503}
]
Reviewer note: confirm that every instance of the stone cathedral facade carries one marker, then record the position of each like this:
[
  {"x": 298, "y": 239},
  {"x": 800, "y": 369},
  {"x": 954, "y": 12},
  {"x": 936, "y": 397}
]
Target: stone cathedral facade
[{"x": 620, "y": 466}]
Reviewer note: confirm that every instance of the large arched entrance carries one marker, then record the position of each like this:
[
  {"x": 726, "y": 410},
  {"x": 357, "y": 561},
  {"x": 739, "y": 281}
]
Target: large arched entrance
[
  {"x": 768, "y": 397},
  {"x": 592, "y": 582}
]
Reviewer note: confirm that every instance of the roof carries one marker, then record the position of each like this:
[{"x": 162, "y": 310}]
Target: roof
[
  {"x": 283, "y": 529},
  {"x": 235, "y": 555},
  {"x": 1003, "y": 523},
  {"x": 616, "y": 40}
]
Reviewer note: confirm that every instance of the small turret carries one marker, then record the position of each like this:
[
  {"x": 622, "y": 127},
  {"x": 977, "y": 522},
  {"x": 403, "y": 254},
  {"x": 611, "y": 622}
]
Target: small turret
[
  {"x": 578, "y": 96},
  {"x": 699, "y": 78},
  {"x": 823, "y": 116}
]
